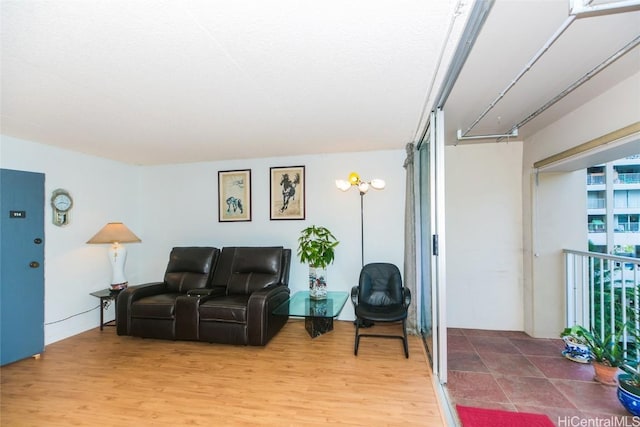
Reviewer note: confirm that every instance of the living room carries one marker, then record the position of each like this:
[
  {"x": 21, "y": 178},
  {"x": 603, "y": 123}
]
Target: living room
[{"x": 489, "y": 188}]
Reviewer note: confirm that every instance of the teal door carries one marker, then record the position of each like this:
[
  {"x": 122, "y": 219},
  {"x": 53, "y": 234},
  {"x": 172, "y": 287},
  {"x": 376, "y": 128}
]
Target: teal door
[{"x": 21, "y": 265}]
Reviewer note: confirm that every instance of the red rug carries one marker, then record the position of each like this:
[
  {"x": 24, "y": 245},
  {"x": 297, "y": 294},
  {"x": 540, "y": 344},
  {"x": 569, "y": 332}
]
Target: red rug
[{"x": 480, "y": 417}]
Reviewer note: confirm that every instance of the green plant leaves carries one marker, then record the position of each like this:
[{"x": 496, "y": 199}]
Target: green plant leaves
[{"x": 316, "y": 246}]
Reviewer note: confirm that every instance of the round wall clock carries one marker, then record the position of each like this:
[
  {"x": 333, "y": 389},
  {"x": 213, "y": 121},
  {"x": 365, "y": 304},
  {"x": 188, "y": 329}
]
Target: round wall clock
[{"x": 61, "y": 202}]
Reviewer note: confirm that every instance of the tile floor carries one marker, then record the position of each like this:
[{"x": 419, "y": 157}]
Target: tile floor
[{"x": 514, "y": 372}]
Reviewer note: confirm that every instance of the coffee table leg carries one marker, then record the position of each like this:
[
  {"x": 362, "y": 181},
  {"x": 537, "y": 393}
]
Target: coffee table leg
[{"x": 317, "y": 326}]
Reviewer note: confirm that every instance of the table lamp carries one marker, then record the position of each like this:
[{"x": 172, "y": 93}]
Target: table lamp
[{"x": 116, "y": 233}]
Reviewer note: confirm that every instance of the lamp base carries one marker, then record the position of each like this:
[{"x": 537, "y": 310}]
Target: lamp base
[{"x": 119, "y": 286}]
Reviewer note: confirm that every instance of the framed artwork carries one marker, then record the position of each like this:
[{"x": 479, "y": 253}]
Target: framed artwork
[
  {"x": 287, "y": 195},
  {"x": 234, "y": 195}
]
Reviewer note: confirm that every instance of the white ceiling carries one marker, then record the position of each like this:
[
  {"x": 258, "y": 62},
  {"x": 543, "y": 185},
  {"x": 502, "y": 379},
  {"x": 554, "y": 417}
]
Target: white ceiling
[{"x": 171, "y": 81}]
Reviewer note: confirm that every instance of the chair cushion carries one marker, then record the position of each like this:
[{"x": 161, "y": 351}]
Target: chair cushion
[
  {"x": 159, "y": 306},
  {"x": 386, "y": 313},
  {"x": 231, "y": 308},
  {"x": 189, "y": 268},
  {"x": 380, "y": 284}
]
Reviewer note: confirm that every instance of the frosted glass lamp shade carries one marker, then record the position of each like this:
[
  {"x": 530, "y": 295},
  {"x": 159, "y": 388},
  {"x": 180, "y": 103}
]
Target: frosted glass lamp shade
[
  {"x": 342, "y": 184},
  {"x": 378, "y": 184}
]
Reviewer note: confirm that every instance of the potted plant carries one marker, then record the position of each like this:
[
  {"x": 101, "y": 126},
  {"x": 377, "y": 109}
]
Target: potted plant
[
  {"x": 575, "y": 348},
  {"x": 629, "y": 387},
  {"x": 607, "y": 353},
  {"x": 316, "y": 247},
  {"x": 629, "y": 381}
]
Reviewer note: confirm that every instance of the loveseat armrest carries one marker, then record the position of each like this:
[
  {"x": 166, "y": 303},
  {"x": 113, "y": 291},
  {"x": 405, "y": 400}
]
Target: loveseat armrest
[
  {"x": 262, "y": 324},
  {"x": 128, "y": 296}
]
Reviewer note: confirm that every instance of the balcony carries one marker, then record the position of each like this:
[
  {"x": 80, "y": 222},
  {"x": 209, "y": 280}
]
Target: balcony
[
  {"x": 627, "y": 178},
  {"x": 509, "y": 370},
  {"x": 596, "y": 203},
  {"x": 595, "y": 179}
]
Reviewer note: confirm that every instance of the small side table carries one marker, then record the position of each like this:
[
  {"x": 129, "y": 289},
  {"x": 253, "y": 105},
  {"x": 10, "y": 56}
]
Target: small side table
[
  {"x": 106, "y": 296},
  {"x": 318, "y": 314}
]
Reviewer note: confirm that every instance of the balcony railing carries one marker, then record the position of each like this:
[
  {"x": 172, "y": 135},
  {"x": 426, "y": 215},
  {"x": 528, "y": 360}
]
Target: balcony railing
[
  {"x": 628, "y": 178},
  {"x": 596, "y": 203},
  {"x": 627, "y": 227},
  {"x": 595, "y": 179},
  {"x": 603, "y": 293}
]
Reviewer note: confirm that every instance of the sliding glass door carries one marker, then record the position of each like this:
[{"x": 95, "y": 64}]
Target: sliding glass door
[{"x": 432, "y": 313}]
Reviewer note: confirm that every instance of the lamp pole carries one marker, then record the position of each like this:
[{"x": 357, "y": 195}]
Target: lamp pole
[
  {"x": 362, "y": 186},
  {"x": 362, "y": 228}
]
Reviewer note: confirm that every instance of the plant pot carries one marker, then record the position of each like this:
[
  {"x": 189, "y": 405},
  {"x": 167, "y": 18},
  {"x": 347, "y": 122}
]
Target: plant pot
[
  {"x": 317, "y": 283},
  {"x": 629, "y": 394},
  {"x": 605, "y": 374},
  {"x": 575, "y": 351}
]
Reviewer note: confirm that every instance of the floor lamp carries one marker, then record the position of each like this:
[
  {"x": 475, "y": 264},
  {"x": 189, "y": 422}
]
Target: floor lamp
[{"x": 362, "y": 186}]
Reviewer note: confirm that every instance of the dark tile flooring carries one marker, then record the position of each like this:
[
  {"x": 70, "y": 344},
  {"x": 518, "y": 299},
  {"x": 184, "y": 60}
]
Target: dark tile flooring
[{"x": 514, "y": 372}]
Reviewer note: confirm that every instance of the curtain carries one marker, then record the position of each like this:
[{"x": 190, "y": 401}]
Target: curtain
[{"x": 410, "y": 278}]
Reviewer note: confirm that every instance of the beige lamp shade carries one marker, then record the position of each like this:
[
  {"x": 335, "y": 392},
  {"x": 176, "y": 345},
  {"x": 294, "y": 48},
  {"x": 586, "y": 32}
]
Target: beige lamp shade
[{"x": 114, "y": 232}]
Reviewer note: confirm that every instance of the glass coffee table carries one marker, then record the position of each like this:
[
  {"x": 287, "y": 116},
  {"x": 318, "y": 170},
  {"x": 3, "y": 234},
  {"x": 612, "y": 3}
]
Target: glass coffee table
[{"x": 318, "y": 314}]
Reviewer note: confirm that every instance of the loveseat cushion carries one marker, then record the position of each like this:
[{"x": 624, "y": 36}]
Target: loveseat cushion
[
  {"x": 160, "y": 306},
  {"x": 254, "y": 268},
  {"x": 247, "y": 283},
  {"x": 230, "y": 308},
  {"x": 190, "y": 268}
]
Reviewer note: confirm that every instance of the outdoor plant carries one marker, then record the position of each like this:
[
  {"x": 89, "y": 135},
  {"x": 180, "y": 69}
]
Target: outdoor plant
[
  {"x": 607, "y": 350},
  {"x": 316, "y": 246},
  {"x": 633, "y": 371}
]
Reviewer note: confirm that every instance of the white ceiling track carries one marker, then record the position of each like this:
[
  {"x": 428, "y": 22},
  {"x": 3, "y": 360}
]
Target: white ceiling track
[
  {"x": 512, "y": 134},
  {"x": 628, "y": 47},
  {"x": 522, "y": 72},
  {"x": 580, "y": 8}
]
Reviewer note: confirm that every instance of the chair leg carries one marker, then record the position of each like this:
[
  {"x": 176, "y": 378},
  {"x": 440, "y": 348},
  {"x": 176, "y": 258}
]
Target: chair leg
[
  {"x": 404, "y": 339},
  {"x": 357, "y": 337}
]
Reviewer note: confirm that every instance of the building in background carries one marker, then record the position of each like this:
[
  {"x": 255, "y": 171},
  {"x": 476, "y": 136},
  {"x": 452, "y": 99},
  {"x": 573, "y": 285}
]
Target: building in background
[{"x": 613, "y": 207}]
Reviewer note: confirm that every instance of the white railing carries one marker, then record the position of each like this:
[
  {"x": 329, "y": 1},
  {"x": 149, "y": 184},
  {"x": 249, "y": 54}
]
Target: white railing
[{"x": 603, "y": 293}]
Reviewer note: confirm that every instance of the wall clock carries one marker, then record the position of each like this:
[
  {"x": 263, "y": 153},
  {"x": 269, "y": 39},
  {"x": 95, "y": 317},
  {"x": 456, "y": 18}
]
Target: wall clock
[{"x": 61, "y": 202}]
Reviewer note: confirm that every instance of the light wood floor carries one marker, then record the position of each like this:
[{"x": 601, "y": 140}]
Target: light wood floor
[{"x": 100, "y": 379}]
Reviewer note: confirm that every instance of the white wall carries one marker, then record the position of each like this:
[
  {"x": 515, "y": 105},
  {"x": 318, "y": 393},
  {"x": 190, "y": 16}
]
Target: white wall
[
  {"x": 180, "y": 207},
  {"x": 175, "y": 205},
  {"x": 102, "y": 191},
  {"x": 546, "y": 234},
  {"x": 484, "y": 236}
]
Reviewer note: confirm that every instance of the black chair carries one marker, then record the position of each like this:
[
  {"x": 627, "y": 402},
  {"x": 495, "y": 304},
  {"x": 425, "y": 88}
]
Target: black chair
[{"x": 380, "y": 297}]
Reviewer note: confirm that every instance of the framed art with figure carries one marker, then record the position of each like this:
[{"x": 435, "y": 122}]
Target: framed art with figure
[
  {"x": 287, "y": 192},
  {"x": 234, "y": 195}
]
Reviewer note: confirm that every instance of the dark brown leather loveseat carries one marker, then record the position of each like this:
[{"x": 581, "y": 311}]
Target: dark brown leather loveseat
[{"x": 222, "y": 296}]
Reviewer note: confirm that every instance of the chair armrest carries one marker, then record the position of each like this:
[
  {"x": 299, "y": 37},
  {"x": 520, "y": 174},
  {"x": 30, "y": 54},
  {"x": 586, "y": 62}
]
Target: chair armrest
[
  {"x": 128, "y": 296},
  {"x": 407, "y": 296},
  {"x": 354, "y": 295}
]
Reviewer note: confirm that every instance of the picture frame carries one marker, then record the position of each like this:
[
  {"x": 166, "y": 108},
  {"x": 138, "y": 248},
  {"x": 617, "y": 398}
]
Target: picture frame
[
  {"x": 287, "y": 193},
  {"x": 234, "y": 195}
]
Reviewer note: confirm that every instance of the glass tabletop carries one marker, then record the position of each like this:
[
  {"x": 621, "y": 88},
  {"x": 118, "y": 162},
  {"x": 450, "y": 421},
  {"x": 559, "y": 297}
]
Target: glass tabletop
[
  {"x": 105, "y": 293},
  {"x": 301, "y": 305}
]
